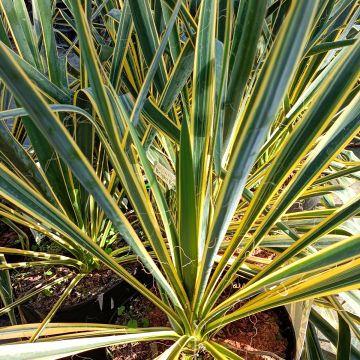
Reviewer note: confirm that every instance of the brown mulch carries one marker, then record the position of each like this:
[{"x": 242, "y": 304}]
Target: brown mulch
[
  {"x": 258, "y": 337},
  {"x": 252, "y": 335},
  {"x": 263, "y": 254}
]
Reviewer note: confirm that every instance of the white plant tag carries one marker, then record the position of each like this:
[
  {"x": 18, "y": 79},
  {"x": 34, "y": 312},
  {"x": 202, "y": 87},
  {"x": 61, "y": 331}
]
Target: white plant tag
[
  {"x": 100, "y": 299},
  {"x": 166, "y": 175}
]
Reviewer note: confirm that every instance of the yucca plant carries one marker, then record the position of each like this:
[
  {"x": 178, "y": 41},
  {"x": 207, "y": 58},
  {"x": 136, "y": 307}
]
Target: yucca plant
[
  {"x": 216, "y": 116},
  {"x": 27, "y": 153}
]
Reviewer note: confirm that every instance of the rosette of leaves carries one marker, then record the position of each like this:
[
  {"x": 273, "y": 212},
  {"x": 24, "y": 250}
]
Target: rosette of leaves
[{"x": 249, "y": 105}]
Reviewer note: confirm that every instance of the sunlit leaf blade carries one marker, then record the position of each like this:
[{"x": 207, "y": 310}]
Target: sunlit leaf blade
[
  {"x": 217, "y": 139},
  {"x": 29, "y": 201},
  {"x": 50, "y": 125},
  {"x": 188, "y": 248},
  {"x": 57, "y": 349},
  {"x": 341, "y": 278},
  {"x": 159, "y": 197},
  {"x": 148, "y": 37},
  {"x": 174, "y": 351},
  {"x": 16, "y": 155},
  {"x": 122, "y": 165},
  {"x": 337, "y": 218},
  {"x": 261, "y": 110},
  {"x": 19, "y": 22},
  {"x": 44, "y": 12},
  {"x": 217, "y": 349},
  {"x": 178, "y": 77},
  {"x": 122, "y": 42},
  {"x": 326, "y": 149},
  {"x": 247, "y": 31},
  {"x": 48, "y": 88},
  {"x": 161, "y": 121},
  {"x": 202, "y": 112}
]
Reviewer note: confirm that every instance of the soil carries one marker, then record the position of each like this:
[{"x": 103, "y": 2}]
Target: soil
[
  {"x": 95, "y": 283},
  {"x": 263, "y": 254},
  {"x": 256, "y": 337},
  {"x": 140, "y": 312},
  {"x": 8, "y": 237},
  {"x": 260, "y": 337}
]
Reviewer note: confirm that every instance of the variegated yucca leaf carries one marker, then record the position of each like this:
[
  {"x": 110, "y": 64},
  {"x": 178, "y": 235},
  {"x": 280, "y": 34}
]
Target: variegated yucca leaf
[{"x": 221, "y": 127}]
